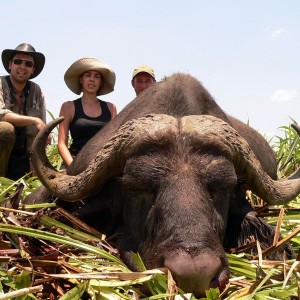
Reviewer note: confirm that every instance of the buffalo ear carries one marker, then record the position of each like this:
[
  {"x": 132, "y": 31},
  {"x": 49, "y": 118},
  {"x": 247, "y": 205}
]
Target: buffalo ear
[
  {"x": 102, "y": 210},
  {"x": 40, "y": 195},
  {"x": 238, "y": 210},
  {"x": 243, "y": 225},
  {"x": 243, "y": 228}
]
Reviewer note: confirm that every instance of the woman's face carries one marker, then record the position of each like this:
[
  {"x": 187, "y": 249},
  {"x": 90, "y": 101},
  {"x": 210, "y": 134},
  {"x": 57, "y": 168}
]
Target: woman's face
[{"x": 91, "y": 81}]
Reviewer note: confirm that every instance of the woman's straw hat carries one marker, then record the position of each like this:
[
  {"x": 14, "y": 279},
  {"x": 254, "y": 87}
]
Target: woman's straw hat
[{"x": 83, "y": 65}]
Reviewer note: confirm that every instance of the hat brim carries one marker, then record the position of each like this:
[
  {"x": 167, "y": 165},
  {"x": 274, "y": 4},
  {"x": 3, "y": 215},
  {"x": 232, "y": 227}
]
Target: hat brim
[
  {"x": 86, "y": 64},
  {"x": 39, "y": 60}
]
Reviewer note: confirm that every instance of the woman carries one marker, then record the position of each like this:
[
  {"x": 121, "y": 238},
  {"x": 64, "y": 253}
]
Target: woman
[{"x": 85, "y": 116}]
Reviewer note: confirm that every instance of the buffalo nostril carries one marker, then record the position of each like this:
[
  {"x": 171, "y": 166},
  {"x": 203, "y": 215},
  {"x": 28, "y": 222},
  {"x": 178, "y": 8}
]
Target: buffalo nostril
[{"x": 195, "y": 274}]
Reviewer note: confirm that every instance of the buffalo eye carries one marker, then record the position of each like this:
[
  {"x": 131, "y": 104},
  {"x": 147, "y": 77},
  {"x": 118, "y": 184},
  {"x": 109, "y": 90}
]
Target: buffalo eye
[
  {"x": 221, "y": 180},
  {"x": 135, "y": 187}
]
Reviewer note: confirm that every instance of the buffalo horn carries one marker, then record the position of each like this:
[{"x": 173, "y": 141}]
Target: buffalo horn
[
  {"x": 274, "y": 192},
  {"x": 111, "y": 159},
  {"x": 108, "y": 163}
]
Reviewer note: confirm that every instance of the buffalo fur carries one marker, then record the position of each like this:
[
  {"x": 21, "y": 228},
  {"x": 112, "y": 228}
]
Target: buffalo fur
[{"x": 177, "y": 198}]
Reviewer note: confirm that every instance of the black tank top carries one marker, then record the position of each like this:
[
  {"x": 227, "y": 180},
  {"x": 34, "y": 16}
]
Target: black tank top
[{"x": 83, "y": 127}]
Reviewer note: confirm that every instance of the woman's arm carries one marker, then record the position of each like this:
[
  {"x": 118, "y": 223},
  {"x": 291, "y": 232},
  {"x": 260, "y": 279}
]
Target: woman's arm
[{"x": 67, "y": 111}]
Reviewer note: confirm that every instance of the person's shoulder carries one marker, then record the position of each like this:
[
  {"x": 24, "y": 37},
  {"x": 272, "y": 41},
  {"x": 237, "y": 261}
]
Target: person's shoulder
[
  {"x": 67, "y": 109},
  {"x": 107, "y": 102},
  {"x": 112, "y": 108},
  {"x": 3, "y": 81},
  {"x": 35, "y": 87},
  {"x": 34, "y": 84},
  {"x": 68, "y": 104}
]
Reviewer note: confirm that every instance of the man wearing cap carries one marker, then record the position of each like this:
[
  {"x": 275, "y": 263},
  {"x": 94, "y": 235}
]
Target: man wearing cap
[
  {"x": 142, "y": 77},
  {"x": 22, "y": 108}
]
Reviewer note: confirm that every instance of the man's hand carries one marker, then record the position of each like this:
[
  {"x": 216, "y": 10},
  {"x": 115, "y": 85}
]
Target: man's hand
[{"x": 39, "y": 124}]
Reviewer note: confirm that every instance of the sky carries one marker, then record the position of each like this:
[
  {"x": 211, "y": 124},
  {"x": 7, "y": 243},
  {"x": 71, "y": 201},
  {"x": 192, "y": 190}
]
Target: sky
[{"x": 245, "y": 53}]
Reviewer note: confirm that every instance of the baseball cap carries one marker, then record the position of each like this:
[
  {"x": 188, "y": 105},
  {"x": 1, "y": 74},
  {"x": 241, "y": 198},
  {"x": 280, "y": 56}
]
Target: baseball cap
[{"x": 145, "y": 69}]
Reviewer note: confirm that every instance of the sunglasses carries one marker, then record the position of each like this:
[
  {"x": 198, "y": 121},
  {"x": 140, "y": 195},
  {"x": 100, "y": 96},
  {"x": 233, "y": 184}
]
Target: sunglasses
[{"x": 18, "y": 61}]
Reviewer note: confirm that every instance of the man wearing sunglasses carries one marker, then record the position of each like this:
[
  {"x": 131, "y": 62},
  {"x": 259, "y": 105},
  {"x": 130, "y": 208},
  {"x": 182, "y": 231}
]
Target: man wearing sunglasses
[{"x": 22, "y": 109}]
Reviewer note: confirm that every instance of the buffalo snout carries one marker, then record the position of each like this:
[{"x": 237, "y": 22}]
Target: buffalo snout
[{"x": 195, "y": 274}]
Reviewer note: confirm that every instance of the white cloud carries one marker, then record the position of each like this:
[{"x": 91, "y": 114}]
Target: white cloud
[
  {"x": 284, "y": 95},
  {"x": 275, "y": 33}
]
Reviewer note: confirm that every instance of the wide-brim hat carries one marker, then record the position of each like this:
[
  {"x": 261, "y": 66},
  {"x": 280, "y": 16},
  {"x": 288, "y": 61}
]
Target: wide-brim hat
[
  {"x": 39, "y": 58},
  {"x": 85, "y": 64}
]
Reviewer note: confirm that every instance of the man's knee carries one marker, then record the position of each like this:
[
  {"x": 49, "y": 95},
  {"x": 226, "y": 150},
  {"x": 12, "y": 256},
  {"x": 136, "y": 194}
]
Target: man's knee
[
  {"x": 7, "y": 141},
  {"x": 7, "y": 133}
]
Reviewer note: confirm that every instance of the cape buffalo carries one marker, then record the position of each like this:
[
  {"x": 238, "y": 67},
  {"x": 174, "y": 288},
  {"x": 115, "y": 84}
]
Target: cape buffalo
[{"x": 169, "y": 174}]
